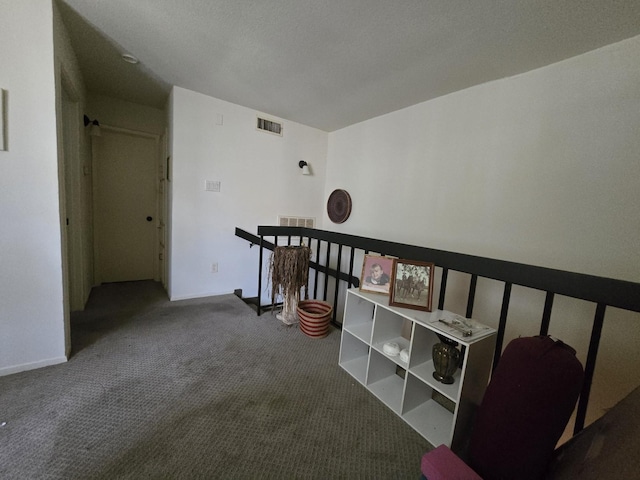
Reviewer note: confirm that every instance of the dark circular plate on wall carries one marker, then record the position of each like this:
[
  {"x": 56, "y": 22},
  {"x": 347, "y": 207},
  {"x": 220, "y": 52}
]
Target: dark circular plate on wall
[{"x": 339, "y": 206}]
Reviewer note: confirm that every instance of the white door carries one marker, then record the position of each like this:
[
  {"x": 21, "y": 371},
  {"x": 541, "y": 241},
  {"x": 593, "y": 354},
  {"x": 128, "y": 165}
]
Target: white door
[{"x": 125, "y": 206}]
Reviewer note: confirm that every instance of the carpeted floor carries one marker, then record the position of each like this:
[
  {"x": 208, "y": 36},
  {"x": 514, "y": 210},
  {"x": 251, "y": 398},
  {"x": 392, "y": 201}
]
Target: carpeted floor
[{"x": 196, "y": 389}]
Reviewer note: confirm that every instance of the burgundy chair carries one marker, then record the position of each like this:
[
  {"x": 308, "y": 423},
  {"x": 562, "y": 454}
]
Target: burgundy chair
[{"x": 523, "y": 413}]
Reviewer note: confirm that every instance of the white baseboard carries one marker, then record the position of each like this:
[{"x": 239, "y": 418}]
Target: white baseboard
[
  {"x": 31, "y": 366},
  {"x": 198, "y": 295}
]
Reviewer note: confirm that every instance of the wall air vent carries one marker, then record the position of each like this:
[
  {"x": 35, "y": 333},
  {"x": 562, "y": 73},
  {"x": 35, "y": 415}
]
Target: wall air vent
[
  {"x": 269, "y": 126},
  {"x": 289, "y": 221}
]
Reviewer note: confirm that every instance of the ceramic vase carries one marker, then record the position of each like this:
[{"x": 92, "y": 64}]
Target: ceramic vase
[{"x": 446, "y": 358}]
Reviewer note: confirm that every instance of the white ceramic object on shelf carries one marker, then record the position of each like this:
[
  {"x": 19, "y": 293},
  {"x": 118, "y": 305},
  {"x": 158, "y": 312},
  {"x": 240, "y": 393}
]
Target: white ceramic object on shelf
[
  {"x": 391, "y": 348},
  {"x": 404, "y": 355}
]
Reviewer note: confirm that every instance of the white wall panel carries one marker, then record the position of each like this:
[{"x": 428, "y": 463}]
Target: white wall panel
[
  {"x": 541, "y": 168},
  {"x": 259, "y": 180},
  {"x": 31, "y": 302}
]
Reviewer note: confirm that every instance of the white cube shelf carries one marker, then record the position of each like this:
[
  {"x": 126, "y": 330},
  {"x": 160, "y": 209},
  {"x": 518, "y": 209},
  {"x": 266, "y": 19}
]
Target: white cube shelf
[{"x": 441, "y": 413}]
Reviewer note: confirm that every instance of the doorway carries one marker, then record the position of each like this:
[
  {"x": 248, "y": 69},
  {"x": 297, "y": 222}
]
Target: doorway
[{"x": 125, "y": 166}]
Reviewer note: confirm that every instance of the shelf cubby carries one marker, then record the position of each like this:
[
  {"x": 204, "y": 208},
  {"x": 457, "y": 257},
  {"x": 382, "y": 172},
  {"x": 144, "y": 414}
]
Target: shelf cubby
[
  {"x": 358, "y": 318},
  {"x": 354, "y": 356},
  {"x": 384, "y": 382}
]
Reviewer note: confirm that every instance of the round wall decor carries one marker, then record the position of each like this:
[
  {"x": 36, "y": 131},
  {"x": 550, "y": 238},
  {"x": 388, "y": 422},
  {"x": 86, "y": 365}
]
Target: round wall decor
[{"x": 339, "y": 206}]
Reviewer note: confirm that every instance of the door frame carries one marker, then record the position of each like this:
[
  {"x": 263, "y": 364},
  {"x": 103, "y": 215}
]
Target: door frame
[
  {"x": 159, "y": 260},
  {"x": 68, "y": 100}
]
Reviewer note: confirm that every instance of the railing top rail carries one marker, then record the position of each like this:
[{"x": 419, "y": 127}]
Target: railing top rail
[{"x": 613, "y": 292}]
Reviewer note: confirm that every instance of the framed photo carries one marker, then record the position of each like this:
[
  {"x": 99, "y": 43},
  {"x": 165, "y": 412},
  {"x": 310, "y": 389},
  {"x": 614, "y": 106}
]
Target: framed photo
[
  {"x": 376, "y": 274},
  {"x": 412, "y": 285}
]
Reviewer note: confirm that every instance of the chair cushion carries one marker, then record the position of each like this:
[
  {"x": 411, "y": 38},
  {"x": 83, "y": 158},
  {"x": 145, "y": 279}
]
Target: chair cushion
[
  {"x": 525, "y": 409},
  {"x": 442, "y": 464}
]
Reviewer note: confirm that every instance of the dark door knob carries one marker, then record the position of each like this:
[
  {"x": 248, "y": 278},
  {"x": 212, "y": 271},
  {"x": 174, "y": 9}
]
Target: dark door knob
[{"x": 149, "y": 219}]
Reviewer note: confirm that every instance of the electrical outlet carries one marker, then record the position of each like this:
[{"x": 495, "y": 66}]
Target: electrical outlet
[{"x": 214, "y": 267}]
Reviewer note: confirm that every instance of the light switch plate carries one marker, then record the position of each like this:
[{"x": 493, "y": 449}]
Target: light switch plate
[
  {"x": 3, "y": 120},
  {"x": 212, "y": 185}
]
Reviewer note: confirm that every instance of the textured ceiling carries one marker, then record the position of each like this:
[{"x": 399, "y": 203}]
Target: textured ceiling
[{"x": 329, "y": 63}]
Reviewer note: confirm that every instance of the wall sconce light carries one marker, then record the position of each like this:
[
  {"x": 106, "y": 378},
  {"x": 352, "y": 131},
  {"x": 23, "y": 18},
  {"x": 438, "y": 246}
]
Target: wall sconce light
[
  {"x": 305, "y": 167},
  {"x": 94, "y": 131}
]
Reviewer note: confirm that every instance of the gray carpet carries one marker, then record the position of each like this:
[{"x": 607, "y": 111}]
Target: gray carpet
[{"x": 196, "y": 389}]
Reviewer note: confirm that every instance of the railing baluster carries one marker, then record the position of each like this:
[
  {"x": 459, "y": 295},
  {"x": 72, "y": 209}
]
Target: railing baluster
[
  {"x": 315, "y": 282},
  {"x": 502, "y": 325},
  {"x": 335, "y": 295},
  {"x": 546, "y": 314},
  {"x": 259, "y": 302},
  {"x": 351, "y": 260},
  {"x": 472, "y": 295},
  {"x": 326, "y": 275},
  {"x": 443, "y": 287},
  {"x": 590, "y": 367}
]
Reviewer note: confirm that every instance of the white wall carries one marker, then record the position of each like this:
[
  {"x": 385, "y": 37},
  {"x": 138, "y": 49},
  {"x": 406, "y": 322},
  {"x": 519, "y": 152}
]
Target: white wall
[
  {"x": 31, "y": 297},
  {"x": 260, "y": 180},
  {"x": 541, "y": 168}
]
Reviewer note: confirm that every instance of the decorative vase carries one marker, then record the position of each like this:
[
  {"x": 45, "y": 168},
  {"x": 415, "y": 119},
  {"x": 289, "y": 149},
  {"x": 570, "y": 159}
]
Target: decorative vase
[
  {"x": 446, "y": 358},
  {"x": 289, "y": 307}
]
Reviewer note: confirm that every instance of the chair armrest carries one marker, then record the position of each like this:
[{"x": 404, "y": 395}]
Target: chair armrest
[{"x": 442, "y": 464}]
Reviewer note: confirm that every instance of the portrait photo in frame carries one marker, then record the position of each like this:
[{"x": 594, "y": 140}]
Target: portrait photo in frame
[
  {"x": 412, "y": 285},
  {"x": 376, "y": 274}
]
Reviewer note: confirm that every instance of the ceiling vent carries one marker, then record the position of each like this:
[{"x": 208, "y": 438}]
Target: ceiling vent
[
  {"x": 269, "y": 126},
  {"x": 296, "y": 221}
]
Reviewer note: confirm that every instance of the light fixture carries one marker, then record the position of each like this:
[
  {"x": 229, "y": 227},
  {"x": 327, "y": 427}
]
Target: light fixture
[
  {"x": 305, "y": 167},
  {"x": 94, "y": 131},
  {"x": 127, "y": 57}
]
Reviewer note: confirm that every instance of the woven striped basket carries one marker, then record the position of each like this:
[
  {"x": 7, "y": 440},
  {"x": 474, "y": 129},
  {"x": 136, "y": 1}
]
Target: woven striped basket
[{"x": 314, "y": 316}]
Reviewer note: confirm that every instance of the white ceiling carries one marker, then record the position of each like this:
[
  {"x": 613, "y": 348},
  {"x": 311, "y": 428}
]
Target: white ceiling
[{"x": 330, "y": 63}]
